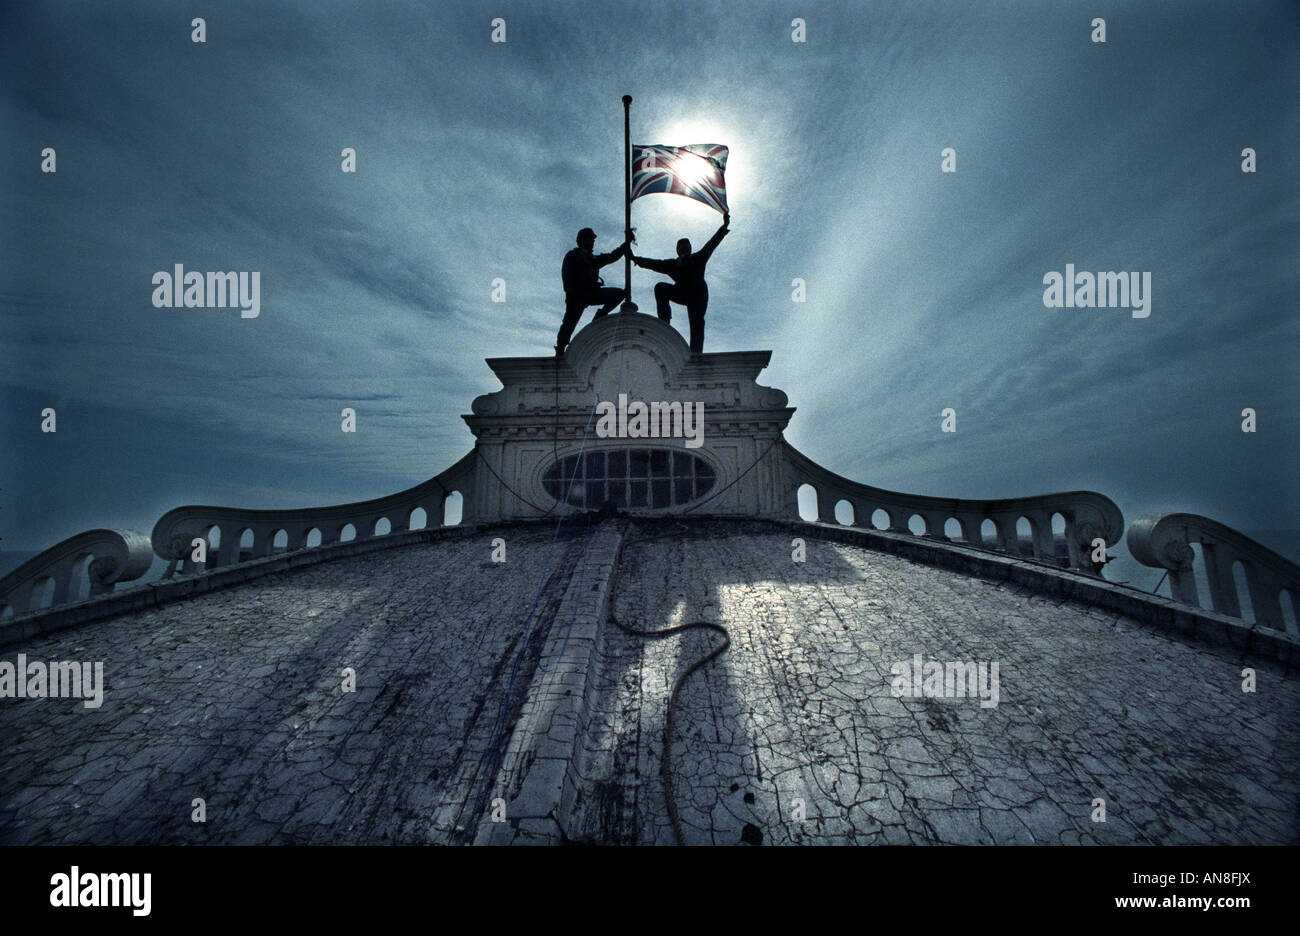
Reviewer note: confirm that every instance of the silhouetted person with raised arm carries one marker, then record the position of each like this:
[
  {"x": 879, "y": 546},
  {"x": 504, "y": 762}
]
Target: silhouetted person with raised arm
[
  {"x": 583, "y": 286},
  {"x": 688, "y": 287}
]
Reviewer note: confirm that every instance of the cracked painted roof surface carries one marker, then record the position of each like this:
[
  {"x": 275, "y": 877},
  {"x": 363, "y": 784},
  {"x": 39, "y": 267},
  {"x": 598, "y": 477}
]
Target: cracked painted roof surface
[{"x": 795, "y": 734}]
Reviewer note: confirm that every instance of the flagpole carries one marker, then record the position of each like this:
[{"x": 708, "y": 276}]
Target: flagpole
[{"x": 627, "y": 192}]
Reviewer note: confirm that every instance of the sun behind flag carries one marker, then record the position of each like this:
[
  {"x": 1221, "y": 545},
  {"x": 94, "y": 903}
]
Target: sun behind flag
[{"x": 695, "y": 171}]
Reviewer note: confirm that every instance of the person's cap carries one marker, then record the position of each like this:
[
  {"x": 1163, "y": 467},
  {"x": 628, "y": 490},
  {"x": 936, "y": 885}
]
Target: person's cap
[{"x": 586, "y": 232}]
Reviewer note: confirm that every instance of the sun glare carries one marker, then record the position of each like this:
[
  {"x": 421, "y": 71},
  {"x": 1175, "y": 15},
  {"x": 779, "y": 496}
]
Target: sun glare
[
  {"x": 691, "y": 169},
  {"x": 683, "y": 133}
]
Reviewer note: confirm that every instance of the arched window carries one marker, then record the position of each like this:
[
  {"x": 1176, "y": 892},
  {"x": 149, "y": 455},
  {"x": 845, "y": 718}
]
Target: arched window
[{"x": 639, "y": 478}]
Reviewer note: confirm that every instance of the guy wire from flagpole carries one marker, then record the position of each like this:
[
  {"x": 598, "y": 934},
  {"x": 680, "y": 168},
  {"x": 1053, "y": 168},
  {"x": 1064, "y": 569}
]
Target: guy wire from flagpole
[{"x": 627, "y": 195}]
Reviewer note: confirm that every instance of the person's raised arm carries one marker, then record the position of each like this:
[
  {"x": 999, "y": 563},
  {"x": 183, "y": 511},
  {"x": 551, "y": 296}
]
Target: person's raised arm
[{"x": 707, "y": 250}]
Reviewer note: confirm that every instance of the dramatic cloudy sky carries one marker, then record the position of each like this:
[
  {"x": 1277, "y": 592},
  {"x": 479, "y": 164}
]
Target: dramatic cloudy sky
[{"x": 479, "y": 160}]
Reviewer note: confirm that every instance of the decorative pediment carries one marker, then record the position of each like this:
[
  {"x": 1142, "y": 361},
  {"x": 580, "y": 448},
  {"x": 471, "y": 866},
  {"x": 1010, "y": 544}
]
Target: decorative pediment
[{"x": 634, "y": 354}]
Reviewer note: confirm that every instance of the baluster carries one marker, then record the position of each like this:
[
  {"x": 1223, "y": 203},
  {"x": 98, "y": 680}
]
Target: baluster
[
  {"x": 1040, "y": 530},
  {"x": 1008, "y": 538},
  {"x": 261, "y": 542},
  {"x": 228, "y": 551},
  {"x": 1265, "y": 596},
  {"x": 971, "y": 529},
  {"x": 62, "y": 582},
  {"x": 1218, "y": 569}
]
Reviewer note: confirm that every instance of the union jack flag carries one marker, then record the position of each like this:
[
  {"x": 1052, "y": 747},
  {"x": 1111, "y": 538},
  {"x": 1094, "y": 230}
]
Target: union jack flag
[{"x": 694, "y": 171}]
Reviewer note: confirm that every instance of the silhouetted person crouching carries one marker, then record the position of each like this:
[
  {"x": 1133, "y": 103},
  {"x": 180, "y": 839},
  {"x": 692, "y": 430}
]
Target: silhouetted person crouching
[
  {"x": 583, "y": 286},
  {"x": 688, "y": 287}
]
